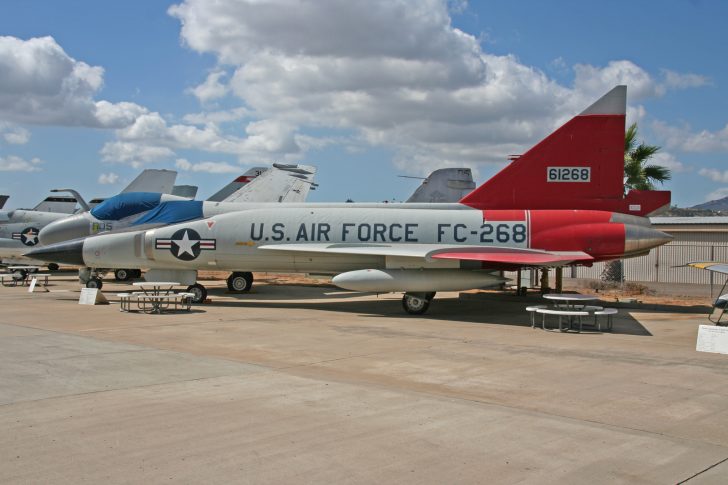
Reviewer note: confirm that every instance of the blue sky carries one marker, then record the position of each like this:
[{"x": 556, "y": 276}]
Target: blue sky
[{"x": 92, "y": 91}]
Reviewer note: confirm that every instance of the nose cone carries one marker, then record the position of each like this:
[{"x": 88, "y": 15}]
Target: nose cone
[
  {"x": 639, "y": 239},
  {"x": 70, "y": 252},
  {"x": 65, "y": 229}
]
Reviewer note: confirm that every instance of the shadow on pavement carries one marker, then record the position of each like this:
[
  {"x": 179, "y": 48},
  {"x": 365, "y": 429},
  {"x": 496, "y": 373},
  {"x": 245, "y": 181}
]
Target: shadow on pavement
[{"x": 486, "y": 311}]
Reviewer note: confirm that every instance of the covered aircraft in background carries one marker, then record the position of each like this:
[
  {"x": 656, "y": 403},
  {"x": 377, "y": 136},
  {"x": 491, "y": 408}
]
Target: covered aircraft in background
[
  {"x": 561, "y": 203},
  {"x": 20, "y": 228},
  {"x": 152, "y": 209},
  {"x": 146, "y": 210},
  {"x": 444, "y": 185}
]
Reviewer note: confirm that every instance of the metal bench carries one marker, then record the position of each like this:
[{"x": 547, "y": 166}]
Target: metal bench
[
  {"x": 609, "y": 312},
  {"x": 12, "y": 279},
  {"x": 154, "y": 303},
  {"x": 561, "y": 313},
  {"x": 533, "y": 309}
]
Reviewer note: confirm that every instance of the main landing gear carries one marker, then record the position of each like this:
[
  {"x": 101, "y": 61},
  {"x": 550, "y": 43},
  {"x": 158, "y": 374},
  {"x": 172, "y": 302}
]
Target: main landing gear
[
  {"x": 199, "y": 292},
  {"x": 417, "y": 303},
  {"x": 240, "y": 281},
  {"x": 127, "y": 274},
  {"x": 237, "y": 282}
]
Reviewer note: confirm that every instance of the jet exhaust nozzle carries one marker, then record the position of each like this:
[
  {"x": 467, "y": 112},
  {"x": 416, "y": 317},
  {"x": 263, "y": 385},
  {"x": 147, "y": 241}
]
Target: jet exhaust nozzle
[{"x": 642, "y": 238}]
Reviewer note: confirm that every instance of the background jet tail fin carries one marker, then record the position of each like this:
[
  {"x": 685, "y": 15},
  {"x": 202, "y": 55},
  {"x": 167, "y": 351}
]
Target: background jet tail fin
[
  {"x": 3, "y": 199},
  {"x": 153, "y": 180},
  {"x": 444, "y": 185},
  {"x": 186, "y": 191},
  {"x": 237, "y": 184},
  {"x": 280, "y": 183},
  {"x": 579, "y": 166},
  {"x": 57, "y": 204},
  {"x": 81, "y": 202}
]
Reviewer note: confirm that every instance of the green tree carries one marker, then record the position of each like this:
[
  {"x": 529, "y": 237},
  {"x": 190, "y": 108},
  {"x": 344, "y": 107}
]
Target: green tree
[{"x": 639, "y": 175}]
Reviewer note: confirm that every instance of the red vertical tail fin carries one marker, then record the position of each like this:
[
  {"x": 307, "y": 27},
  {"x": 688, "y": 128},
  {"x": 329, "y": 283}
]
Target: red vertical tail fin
[{"x": 579, "y": 166}]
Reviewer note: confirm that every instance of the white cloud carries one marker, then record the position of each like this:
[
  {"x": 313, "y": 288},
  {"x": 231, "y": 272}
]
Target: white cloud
[
  {"x": 239, "y": 30},
  {"x": 41, "y": 84},
  {"x": 212, "y": 88},
  {"x": 117, "y": 115},
  {"x": 668, "y": 160},
  {"x": 134, "y": 154},
  {"x": 217, "y": 117},
  {"x": 398, "y": 74},
  {"x": 681, "y": 81},
  {"x": 265, "y": 140},
  {"x": 14, "y": 134},
  {"x": 714, "y": 175},
  {"x": 595, "y": 81},
  {"x": 683, "y": 138},
  {"x": 717, "y": 194},
  {"x": 208, "y": 167},
  {"x": 11, "y": 163},
  {"x": 108, "y": 178}
]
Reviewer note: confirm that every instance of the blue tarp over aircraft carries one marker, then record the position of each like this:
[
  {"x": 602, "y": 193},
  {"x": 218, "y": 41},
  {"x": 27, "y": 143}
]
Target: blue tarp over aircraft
[
  {"x": 125, "y": 205},
  {"x": 172, "y": 212}
]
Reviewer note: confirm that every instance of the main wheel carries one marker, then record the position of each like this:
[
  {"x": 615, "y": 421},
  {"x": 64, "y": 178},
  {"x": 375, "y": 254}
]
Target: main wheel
[
  {"x": 122, "y": 274},
  {"x": 136, "y": 273},
  {"x": 415, "y": 305},
  {"x": 52, "y": 267},
  {"x": 199, "y": 291},
  {"x": 95, "y": 283},
  {"x": 240, "y": 281}
]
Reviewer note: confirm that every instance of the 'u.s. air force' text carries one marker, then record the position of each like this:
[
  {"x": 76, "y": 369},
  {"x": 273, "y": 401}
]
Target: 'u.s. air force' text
[{"x": 487, "y": 233}]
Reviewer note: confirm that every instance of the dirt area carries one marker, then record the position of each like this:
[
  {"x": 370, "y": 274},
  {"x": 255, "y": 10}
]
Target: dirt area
[
  {"x": 272, "y": 278},
  {"x": 639, "y": 294}
]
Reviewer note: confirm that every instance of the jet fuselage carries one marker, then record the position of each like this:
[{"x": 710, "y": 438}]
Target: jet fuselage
[{"x": 335, "y": 240}]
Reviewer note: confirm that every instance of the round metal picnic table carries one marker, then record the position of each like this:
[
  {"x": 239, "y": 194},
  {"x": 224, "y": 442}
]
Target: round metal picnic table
[
  {"x": 571, "y": 301},
  {"x": 155, "y": 289}
]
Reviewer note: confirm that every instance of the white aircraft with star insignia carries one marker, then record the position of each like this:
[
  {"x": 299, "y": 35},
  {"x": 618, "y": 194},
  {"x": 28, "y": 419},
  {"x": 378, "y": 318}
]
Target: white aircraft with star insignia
[{"x": 562, "y": 203}]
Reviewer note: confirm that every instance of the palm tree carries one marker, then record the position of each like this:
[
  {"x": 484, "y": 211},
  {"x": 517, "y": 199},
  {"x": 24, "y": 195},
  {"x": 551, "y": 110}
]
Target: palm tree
[{"x": 639, "y": 175}]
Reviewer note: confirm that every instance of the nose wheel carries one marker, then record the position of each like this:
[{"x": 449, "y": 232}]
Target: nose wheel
[
  {"x": 417, "y": 303},
  {"x": 95, "y": 283}
]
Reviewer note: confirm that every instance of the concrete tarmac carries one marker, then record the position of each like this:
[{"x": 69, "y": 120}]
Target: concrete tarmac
[{"x": 315, "y": 385}]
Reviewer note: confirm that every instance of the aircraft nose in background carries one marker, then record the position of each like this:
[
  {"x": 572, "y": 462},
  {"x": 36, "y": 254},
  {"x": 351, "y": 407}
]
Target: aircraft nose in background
[
  {"x": 641, "y": 238},
  {"x": 66, "y": 229},
  {"x": 70, "y": 252}
]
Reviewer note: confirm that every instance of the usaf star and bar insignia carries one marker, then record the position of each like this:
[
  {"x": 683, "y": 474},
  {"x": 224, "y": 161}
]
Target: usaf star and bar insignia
[
  {"x": 185, "y": 244},
  {"x": 29, "y": 236}
]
